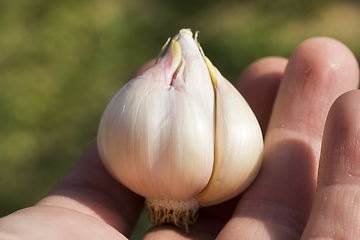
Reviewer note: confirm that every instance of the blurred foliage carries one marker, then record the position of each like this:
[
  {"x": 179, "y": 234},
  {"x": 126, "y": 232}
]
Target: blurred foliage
[{"x": 62, "y": 61}]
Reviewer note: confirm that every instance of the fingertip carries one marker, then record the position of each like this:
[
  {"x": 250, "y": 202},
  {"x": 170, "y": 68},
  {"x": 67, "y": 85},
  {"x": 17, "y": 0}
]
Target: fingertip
[
  {"x": 260, "y": 69},
  {"x": 335, "y": 209},
  {"x": 323, "y": 53},
  {"x": 344, "y": 113},
  {"x": 341, "y": 142},
  {"x": 259, "y": 84},
  {"x": 319, "y": 70}
]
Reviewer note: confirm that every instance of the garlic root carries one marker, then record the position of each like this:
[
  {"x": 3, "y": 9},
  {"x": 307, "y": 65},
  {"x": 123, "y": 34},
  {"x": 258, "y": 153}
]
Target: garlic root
[{"x": 180, "y": 213}]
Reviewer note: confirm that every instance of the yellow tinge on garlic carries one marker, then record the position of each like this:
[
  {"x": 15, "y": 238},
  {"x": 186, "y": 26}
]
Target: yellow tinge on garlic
[{"x": 181, "y": 135}]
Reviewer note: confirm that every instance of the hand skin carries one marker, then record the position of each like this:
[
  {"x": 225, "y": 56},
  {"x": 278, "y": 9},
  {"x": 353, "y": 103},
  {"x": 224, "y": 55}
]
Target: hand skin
[{"x": 308, "y": 186}]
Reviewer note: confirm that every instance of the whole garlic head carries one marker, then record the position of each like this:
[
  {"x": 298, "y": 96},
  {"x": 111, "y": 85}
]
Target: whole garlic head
[{"x": 181, "y": 135}]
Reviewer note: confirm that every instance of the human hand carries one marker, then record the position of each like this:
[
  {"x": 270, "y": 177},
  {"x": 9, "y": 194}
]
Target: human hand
[{"x": 288, "y": 200}]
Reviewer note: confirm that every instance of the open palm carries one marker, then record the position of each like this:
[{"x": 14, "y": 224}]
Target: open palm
[{"x": 308, "y": 186}]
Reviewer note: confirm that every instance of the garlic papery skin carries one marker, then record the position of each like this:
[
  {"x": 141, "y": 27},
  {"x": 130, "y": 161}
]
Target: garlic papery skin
[
  {"x": 180, "y": 135},
  {"x": 238, "y": 143}
]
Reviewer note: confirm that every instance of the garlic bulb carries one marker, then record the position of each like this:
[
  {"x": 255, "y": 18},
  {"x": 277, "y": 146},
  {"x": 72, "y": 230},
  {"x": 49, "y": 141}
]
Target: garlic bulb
[{"x": 181, "y": 135}]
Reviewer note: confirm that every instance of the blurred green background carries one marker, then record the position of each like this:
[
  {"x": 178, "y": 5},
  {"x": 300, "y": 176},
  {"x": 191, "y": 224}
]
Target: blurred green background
[{"x": 62, "y": 61}]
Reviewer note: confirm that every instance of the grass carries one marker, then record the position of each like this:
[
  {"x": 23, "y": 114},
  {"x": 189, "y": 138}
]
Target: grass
[{"x": 62, "y": 61}]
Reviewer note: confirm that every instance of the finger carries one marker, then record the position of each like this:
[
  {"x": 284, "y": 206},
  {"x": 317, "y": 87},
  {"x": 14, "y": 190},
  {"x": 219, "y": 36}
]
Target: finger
[
  {"x": 278, "y": 203},
  {"x": 335, "y": 214},
  {"x": 88, "y": 188},
  {"x": 259, "y": 84},
  {"x": 55, "y": 223},
  {"x": 264, "y": 72}
]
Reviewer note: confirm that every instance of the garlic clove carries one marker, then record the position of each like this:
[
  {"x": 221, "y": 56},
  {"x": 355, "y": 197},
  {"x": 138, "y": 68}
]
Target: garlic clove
[
  {"x": 194, "y": 73},
  {"x": 238, "y": 143}
]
